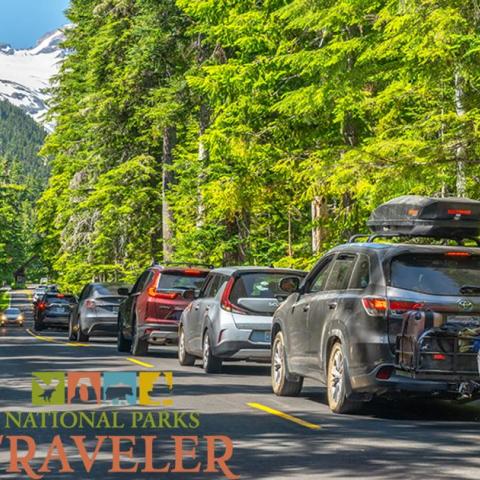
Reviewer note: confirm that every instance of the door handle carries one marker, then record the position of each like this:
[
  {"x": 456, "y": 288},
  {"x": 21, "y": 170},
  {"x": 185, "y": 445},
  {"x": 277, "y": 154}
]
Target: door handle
[
  {"x": 207, "y": 309},
  {"x": 306, "y": 308},
  {"x": 197, "y": 307},
  {"x": 332, "y": 306}
]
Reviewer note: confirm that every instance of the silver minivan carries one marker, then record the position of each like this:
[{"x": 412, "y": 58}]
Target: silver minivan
[{"x": 232, "y": 317}]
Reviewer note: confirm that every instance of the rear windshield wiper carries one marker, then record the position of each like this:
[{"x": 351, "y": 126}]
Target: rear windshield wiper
[{"x": 466, "y": 289}]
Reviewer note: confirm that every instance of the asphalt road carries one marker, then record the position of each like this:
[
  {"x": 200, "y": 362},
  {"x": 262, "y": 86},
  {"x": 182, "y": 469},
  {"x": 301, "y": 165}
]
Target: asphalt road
[{"x": 387, "y": 440}]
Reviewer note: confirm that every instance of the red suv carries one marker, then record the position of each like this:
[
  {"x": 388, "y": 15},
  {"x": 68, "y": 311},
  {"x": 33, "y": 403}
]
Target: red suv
[{"x": 152, "y": 309}]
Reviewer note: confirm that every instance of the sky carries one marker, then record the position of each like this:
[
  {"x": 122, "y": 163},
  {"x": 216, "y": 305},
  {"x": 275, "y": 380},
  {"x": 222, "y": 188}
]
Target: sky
[{"x": 23, "y": 22}]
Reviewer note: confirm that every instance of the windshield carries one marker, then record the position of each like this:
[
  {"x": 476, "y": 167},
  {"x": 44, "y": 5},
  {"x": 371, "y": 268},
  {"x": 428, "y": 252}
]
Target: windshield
[
  {"x": 12, "y": 311},
  {"x": 436, "y": 274},
  {"x": 181, "y": 281}
]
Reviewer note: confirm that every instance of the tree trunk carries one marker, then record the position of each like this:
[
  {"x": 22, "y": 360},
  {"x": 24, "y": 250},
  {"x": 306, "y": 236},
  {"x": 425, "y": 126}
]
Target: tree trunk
[
  {"x": 319, "y": 212},
  {"x": 204, "y": 120},
  {"x": 169, "y": 141},
  {"x": 461, "y": 151}
]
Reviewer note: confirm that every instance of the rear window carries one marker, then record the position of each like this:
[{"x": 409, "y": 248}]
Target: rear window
[
  {"x": 251, "y": 288},
  {"x": 181, "y": 281},
  {"x": 65, "y": 299},
  {"x": 106, "y": 290},
  {"x": 436, "y": 274}
]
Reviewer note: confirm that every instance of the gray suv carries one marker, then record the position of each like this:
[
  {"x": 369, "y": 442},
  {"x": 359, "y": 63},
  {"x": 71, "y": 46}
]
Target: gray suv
[
  {"x": 350, "y": 322},
  {"x": 232, "y": 317}
]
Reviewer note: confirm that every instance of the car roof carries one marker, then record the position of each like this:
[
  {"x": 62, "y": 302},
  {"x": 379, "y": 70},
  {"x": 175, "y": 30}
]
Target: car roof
[
  {"x": 391, "y": 249},
  {"x": 254, "y": 269},
  {"x": 178, "y": 268}
]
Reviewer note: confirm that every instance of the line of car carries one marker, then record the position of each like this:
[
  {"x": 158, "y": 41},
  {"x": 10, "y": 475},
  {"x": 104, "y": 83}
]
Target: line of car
[{"x": 338, "y": 324}]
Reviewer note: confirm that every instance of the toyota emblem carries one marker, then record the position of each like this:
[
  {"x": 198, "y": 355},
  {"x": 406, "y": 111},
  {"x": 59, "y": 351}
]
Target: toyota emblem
[{"x": 465, "y": 305}]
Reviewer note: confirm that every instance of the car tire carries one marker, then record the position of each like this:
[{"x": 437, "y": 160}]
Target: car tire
[
  {"x": 282, "y": 384},
  {"x": 82, "y": 337},
  {"x": 139, "y": 345},
  {"x": 38, "y": 326},
  {"x": 123, "y": 344},
  {"x": 337, "y": 379},
  {"x": 211, "y": 363},
  {"x": 184, "y": 358},
  {"x": 72, "y": 336}
]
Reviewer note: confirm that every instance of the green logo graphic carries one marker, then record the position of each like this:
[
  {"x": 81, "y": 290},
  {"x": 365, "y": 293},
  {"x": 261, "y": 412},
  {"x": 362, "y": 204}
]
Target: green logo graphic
[{"x": 48, "y": 388}]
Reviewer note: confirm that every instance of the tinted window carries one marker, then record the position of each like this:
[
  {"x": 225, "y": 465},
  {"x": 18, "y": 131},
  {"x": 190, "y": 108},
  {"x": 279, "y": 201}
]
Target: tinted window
[
  {"x": 105, "y": 290},
  {"x": 207, "y": 285},
  {"x": 361, "y": 273},
  {"x": 66, "y": 299},
  {"x": 340, "y": 273},
  {"x": 12, "y": 311},
  {"x": 436, "y": 274},
  {"x": 142, "y": 281},
  {"x": 258, "y": 285},
  {"x": 181, "y": 281},
  {"x": 319, "y": 281}
]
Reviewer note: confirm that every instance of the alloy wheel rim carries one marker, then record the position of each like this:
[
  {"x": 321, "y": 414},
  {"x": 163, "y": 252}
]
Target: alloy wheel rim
[
  {"x": 278, "y": 363},
  {"x": 336, "y": 376}
]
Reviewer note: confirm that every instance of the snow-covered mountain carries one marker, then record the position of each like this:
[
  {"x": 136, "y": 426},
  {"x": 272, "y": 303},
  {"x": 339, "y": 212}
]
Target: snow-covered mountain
[{"x": 25, "y": 74}]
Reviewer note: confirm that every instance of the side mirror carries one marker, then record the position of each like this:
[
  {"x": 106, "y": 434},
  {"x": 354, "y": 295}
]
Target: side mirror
[
  {"x": 290, "y": 284},
  {"x": 189, "y": 295},
  {"x": 124, "y": 292}
]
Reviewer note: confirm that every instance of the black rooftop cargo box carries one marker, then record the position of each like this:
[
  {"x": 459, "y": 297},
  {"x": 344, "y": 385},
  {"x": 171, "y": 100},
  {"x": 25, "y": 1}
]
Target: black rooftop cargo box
[{"x": 427, "y": 217}]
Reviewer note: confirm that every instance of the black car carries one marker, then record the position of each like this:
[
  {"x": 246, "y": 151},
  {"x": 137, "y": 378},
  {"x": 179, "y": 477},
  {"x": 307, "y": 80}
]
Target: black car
[
  {"x": 376, "y": 319},
  {"x": 53, "y": 310}
]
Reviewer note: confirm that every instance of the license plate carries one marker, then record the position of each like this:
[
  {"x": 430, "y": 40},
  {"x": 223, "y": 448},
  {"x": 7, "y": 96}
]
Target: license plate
[{"x": 58, "y": 310}]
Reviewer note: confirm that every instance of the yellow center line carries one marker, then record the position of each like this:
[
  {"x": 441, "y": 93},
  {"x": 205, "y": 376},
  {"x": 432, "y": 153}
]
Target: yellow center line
[
  {"x": 285, "y": 416},
  {"x": 142, "y": 364},
  {"x": 38, "y": 337}
]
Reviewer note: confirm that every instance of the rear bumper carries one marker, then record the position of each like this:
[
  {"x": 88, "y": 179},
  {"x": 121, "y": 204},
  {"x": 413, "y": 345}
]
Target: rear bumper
[
  {"x": 237, "y": 344},
  {"x": 160, "y": 333},
  {"x": 101, "y": 325},
  {"x": 54, "y": 320},
  {"x": 403, "y": 382}
]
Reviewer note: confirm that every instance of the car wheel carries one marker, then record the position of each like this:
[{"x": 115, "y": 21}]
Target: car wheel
[
  {"x": 123, "y": 345},
  {"x": 337, "y": 378},
  {"x": 38, "y": 325},
  {"x": 211, "y": 363},
  {"x": 82, "y": 337},
  {"x": 139, "y": 345},
  {"x": 184, "y": 358},
  {"x": 72, "y": 335},
  {"x": 281, "y": 383}
]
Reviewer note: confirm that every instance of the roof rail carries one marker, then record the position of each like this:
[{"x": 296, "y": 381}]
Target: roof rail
[{"x": 372, "y": 237}]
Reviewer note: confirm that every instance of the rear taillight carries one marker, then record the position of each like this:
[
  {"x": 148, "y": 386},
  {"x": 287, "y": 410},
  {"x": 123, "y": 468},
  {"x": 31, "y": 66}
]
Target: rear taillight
[
  {"x": 90, "y": 304},
  {"x": 152, "y": 292},
  {"x": 225, "y": 301},
  {"x": 375, "y": 306},
  {"x": 400, "y": 306},
  {"x": 458, "y": 254},
  {"x": 42, "y": 306},
  {"x": 378, "y": 306}
]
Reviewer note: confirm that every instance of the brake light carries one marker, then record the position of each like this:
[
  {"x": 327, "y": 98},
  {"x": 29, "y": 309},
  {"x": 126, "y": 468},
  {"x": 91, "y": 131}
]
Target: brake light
[
  {"x": 152, "y": 292},
  {"x": 384, "y": 373},
  {"x": 403, "y": 306},
  {"x": 42, "y": 306},
  {"x": 458, "y": 254},
  {"x": 439, "y": 356},
  {"x": 60, "y": 295},
  {"x": 459, "y": 212},
  {"x": 193, "y": 271},
  {"x": 90, "y": 304},
  {"x": 375, "y": 306},
  {"x": 225, "y": 301}
]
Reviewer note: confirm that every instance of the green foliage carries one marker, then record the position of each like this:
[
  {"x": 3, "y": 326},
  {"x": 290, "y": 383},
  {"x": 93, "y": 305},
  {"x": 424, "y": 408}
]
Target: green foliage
[
  {"x": 276, "y": 104},
  {"x": 23, "y": 177}
]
